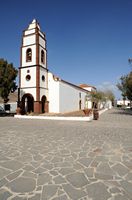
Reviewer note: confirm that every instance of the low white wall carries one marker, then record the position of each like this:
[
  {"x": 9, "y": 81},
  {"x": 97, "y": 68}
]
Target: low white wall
[{"x": 13, "y": 107}]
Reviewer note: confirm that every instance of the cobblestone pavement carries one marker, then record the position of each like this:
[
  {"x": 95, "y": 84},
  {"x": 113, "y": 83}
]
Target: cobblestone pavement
[{"x": 63, "y": 160}]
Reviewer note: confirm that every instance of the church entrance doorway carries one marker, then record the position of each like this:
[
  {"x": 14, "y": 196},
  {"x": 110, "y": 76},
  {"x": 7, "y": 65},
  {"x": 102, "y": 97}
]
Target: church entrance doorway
[{"x": 27, "y": 103}]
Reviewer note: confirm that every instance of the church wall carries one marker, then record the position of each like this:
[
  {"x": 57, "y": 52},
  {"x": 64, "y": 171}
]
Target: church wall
[
  {"x": 31, "y": 91},
  {"x": 44, "y": 92},
  {"x": 32, "y": 73},
  {"x": 29, "y": 40},
  {"x": 89, "y": 105},
  {"x": 53, "y": 94},
  {"x": 27, "y": 32},
  {"x": 43, "y": 83},
  {"x": 70, "y": 97},
  {"x": 42, "y": 42}
]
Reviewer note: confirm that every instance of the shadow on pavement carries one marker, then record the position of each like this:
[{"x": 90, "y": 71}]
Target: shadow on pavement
[
  {"x": 122, "y": 111},
  {"x": 7, "y": 114}
]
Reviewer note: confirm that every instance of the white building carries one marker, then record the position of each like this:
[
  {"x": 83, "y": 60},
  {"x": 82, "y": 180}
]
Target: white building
[
  {"x": 122, "y": 102},
  {"x": 40, "y": 90}
]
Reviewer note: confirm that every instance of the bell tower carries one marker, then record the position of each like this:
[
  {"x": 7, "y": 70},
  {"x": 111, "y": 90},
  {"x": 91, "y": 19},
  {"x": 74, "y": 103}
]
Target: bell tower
[{"x": 33, "y": 72}]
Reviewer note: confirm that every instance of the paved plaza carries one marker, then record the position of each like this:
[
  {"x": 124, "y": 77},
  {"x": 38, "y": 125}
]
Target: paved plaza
[{"x": 63, "y": 160}]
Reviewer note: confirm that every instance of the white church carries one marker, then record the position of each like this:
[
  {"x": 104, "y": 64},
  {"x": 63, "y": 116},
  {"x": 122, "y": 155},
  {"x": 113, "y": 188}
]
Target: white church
[{"x": 40, "y": 91}]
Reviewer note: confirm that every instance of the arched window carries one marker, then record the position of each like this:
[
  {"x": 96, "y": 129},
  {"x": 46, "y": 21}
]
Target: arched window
[
  {"x": 28, "y": 55},
  {"x": 42, "y": 57}
]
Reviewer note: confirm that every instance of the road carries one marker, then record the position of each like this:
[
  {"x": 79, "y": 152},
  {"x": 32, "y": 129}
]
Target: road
[{"x": 63, "y": 160}]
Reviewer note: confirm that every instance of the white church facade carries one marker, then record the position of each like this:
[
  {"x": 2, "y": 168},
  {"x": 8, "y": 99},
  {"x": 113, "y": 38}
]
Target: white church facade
[{"x": 39, "y": 90}]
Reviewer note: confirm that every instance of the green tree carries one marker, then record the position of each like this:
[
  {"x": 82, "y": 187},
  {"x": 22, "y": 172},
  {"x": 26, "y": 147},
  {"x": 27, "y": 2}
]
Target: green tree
[
  {"x": 122, "y": 86},
  {"x": 125, "y": 86},
  {"x": 100, "y": 97},
  {"x": 97, "y": 97},
  {"x": 110, "y": 96},
  {"x": 8, "y": 75}
]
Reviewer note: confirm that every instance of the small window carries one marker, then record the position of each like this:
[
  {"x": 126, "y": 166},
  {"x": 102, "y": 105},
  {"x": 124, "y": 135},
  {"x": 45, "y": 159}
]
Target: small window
[
  {"x": 43, "y": 78},
  {"x": 28, "y": 77},
  {"x": 42, "y": 57},
  {"x": 29, "y": 55},
  {"x": 28, "y": 71}
]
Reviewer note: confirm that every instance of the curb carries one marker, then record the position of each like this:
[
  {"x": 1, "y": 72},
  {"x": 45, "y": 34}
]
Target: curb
[
  {"x": 90, "y": 118},
  {"x": 55, "y": 118}
]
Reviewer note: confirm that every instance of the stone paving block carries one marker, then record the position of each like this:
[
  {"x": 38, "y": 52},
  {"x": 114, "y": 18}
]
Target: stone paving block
[
  {"x": 28, "y": 168},
  {"x": 98, "y": 191},
  {"x": 13, "y": 154},
  {"x": 4, "y": 158},
  {"x": 3, "y": 182},
  {"x": 29, "y": 174},
  {"x": 83, "y": 154},
  {"x": 12, "y": 165},
  {"x": 59, "y": 180},
  {"x": 39, "y": 170},
  {"x": 127, "y": 186},
  {"x": 49, "y": 191},
  {"x": 129, "y": 176},
  {"x": 66, "y": 170},
  {"x": 22, "y": 185},
  {"x": 94, "y": 163},
  {"x": 24, "y": 158},
  {"x": 53, "y": 173},
  {"x": 101, "y": 158},
  {"x": 120, "y": 197},
  {"x": 43, "y": 179},
  {"x": 35, "y": 197},
  {"x": 4, "y": 172},
  {"x": 37, "y": 157},
  {"x": 63, "y": 164},
  {"x": 77, "y": 179},
  {"x": 62, "y": 197},
  {"x": 39, "y": 188},
  {"x": 57, "y": 159},
  {"x": 78, "y": 166},
  {"x": 104, "y": 168},
  {"x": 89, "y": 172},
  {"x": 68, "y": 159},
  {"x": 14, "y": 175},
  {"x": 114, "y": 190},
  {"x": 65, "y": 152},
  {"x": 111, "y": 183},
  {"x": 73, "y": 193},
  {"x": 102, "y": 176},
  {"x": 85, "y": 161},
  {"x": 128, "y": 164},
  {"x": 35, "y": 164},
  {"x": 4, "y": 195},
  {"x": 19, "y": 198},
  {"x": 115, "y": 158},
  {"x": 47, "y": 166},
  {"x": 60, "y": 191},
  {"x": 120, "y": 169}
]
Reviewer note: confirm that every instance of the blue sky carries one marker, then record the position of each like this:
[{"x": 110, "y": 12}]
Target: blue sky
[{"x": 88, "y": 41}]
